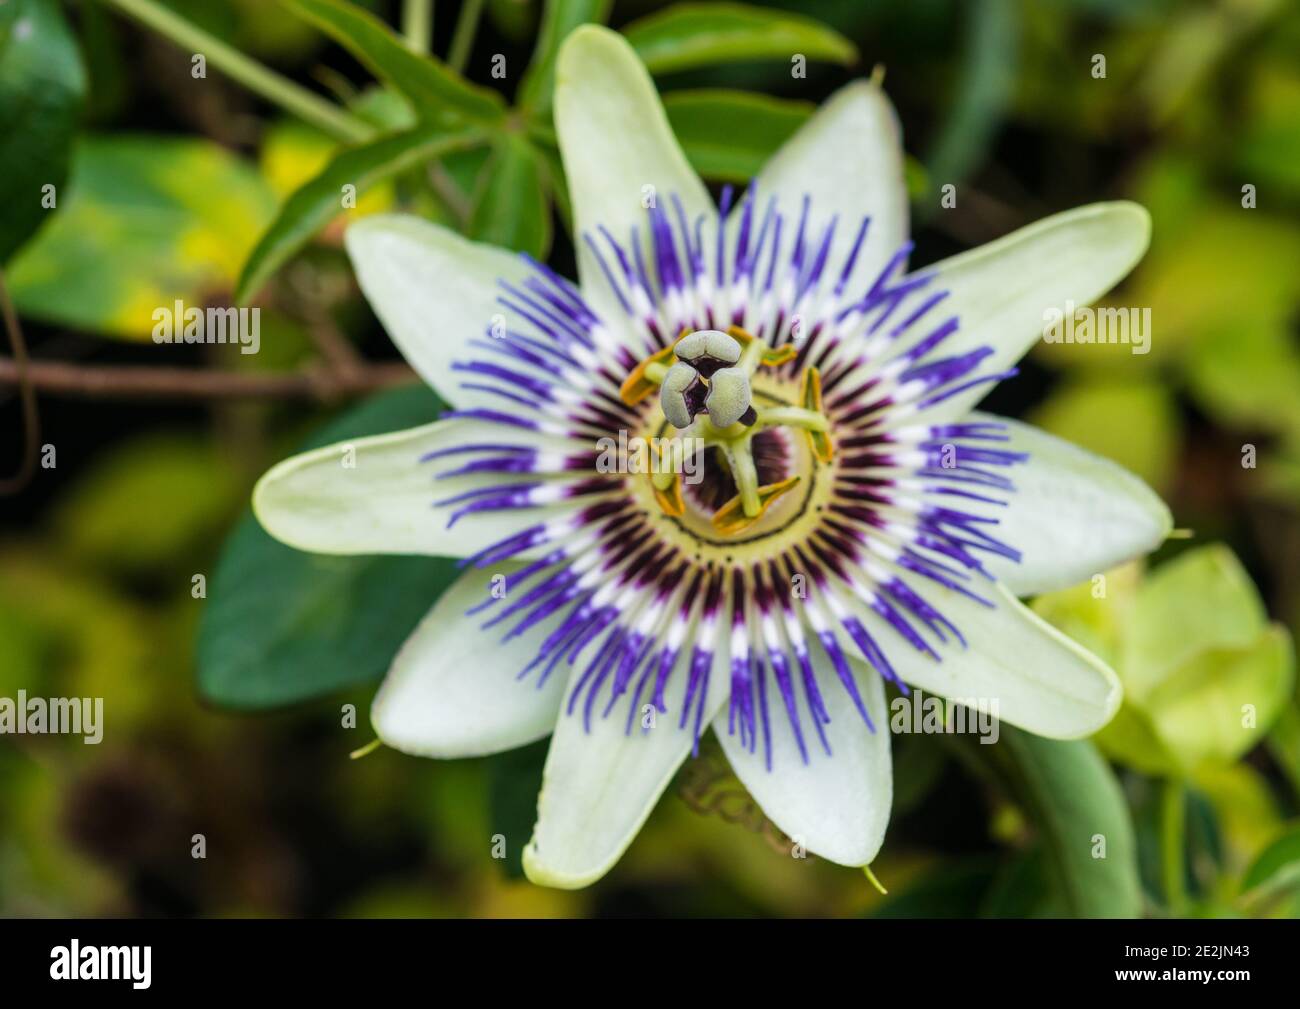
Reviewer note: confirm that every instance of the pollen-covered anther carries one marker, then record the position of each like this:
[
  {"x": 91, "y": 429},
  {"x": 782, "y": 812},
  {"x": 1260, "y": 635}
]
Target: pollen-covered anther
[
  {"x": 728, "y": 401},
  {"x": 682, "y": 395},
  {"x": 732, "y": 517},
  {"x": 708, "y": 350}
]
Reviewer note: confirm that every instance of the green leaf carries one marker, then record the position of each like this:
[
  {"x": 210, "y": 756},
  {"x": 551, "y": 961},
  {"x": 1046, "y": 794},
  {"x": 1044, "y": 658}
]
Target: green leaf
[
  {"x": 1024, "y": 888},
  {"x": 984, "y": 89},
  {"x": 438, "y": 94},
  {"x": 1244, "y": 808},
  {"x": 1134, "y": 423},
  {"x": 514, "y": 782},
  {"x": 559, "y": 18},
  {"x": 147, "y": 220},
  {"x": 729, "y": 135},
  {"x": 557, "y": 184},
  {"x": 686, "y": 36},
  {"x": 320, "y": 200},
  {"x": 1205, "y": 675},
  {"x": 1245, "y": 373},
  {"x": 42, "y": 86},
  {"x": 1215, "y": 707},
  {"x": 1096, "y": 614},
  {"x": 147, "y": 505},
  {"x": 1203, "y": 599},
  {"x": 1284, "y": 743},
  {"x": 1073, "y": 798},
  {"x": 1269, "y": 147},
  {"x": 510, "y": 207},
  {"x": 1277, "y": 869},
  {"x": 949, "y": 890},
  {"x": 282, "y": 626}
]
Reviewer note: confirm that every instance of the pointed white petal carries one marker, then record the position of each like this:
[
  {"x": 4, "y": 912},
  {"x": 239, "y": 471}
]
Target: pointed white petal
[
  {"x": 615, "y": 140},
  {"x": 836, "y": 806},
  {"x": 599, "y": 787},
  {"x": 434, "y": 291},
  {"x": 453, "y": 688},
  {"x": 1073, "y": 514},
  {"x": 1004, "y": 293},
  {"x": 375, "y": 496},
  {"x": 848, "y": 159},
  {"x": 1038, "y": 678}
]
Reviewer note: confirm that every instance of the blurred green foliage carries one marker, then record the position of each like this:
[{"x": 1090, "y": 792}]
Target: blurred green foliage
[{"x": 202, "y": 190}]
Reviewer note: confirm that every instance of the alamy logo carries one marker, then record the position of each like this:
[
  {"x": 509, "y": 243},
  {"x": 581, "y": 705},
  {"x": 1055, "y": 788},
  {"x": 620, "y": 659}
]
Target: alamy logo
[
  {"x": 179, "y": 324},
  {"x": 684, "y": 456},
  {"x": 75, "y": 962},
  {"x": 1130, "y": 326},
  {"x": 37, "y": 716},
  {"x": 919, "y": 712}
]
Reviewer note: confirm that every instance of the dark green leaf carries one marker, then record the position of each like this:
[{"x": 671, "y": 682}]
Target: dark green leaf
[
  {"x": 686, "y": 36},
  {"x": 560, "y": 18},
  {"x": 1278, "y": 865},
  {"x": 320, "y": 200},
  {"x": 945, "y": 891},
  {"x": 510, "y": 208},
  {"x": 282, "y": 626},
  {"x": 557, "y": 184},
  {"x": 438, "y": 94},
  {"x": 1023, "y": 888},
  {"x": 515, "y": 19},
  {"x": 1072, "y": 797},
  {"x": 918, "y": 765},
  {"x": 1284, "y": 743},
  {"x": 42, "y": 85},
  {"x": 985, "y": 87},
  {"x": 515, "y": 780},
  {"x": 729, "y": 135}
]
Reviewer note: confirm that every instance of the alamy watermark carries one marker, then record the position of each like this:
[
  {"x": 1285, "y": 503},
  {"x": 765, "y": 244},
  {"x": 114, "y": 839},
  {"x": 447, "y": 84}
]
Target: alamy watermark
[
  {"x": 1131, "y": 326},
  {"x": 928, "y": 715},
  {"x": 38, "y": 716},
  {"x": 75, "y": 962},
  {"x": 652, "y": 455},
  {"x": 181, "y": 324}
]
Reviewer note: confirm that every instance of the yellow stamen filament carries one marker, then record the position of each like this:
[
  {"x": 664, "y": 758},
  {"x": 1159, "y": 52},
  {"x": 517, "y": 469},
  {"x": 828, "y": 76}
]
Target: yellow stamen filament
[
  {"x": 755, "y": 352},
  {"x": 733, "y": 518},
  {"x": 810, "y": 394},
  {"x": 646, "y": 377},
  {"x": 670, "y": 498}
]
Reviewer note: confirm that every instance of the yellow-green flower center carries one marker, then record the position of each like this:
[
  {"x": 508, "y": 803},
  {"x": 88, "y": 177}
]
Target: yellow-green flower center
[{"x": 703, "y": 385}]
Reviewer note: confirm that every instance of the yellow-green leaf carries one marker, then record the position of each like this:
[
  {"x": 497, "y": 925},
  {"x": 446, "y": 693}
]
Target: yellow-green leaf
[
  {"x": 691, "y": 35},
  {"x": 148, "y": 220}
]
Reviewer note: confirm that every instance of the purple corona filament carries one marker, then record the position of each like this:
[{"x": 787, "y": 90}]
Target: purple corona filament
[{"x": 645, "y": 626}]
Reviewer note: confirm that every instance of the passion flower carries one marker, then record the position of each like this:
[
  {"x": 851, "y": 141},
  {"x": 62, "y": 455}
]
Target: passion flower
[{"x": 851, "y": 521}]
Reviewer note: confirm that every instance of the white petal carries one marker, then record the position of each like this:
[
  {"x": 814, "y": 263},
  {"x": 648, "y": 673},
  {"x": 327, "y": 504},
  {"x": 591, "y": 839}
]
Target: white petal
[
  {"x": 374, "y": 495},
  {"x": 836, "y": 806},
  {"x": 615, "y": 140},
  {"x": 599, "y": 787},
  {"x": 1073, "y": 514},
  {"x": 848, "y": 158},
  {"x": 453, "y": 691},
  {"x": 1038, "y": 678},
  {"x": 434, "y": 291},
  {"x": 1003, "y": 292}
]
